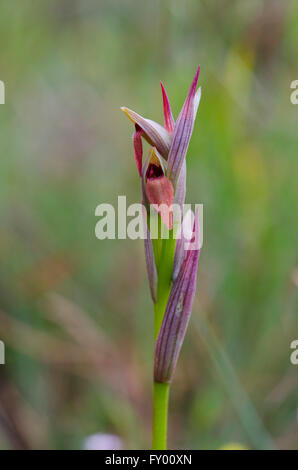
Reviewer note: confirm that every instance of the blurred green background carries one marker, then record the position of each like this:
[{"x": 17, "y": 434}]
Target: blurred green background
[{"x": 75, "y": 312}]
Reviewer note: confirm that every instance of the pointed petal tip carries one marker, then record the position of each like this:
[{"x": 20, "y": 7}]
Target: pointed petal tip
[
  {"x": 169, "y": 122},
  {"x": 196, "y": 78},
  {"x": 154, "y": 133},
  {"x": 183, "y": 130},
  {"x": 194, "y": 83},
  {"x": 128, "y": 112}
]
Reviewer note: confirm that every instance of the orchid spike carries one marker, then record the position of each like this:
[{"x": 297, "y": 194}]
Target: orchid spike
[
  {"x": 177, "y": 314},
  {"x": 171, "y": 264}
]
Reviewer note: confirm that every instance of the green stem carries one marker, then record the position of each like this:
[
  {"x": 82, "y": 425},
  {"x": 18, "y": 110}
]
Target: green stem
[
  {"x": 165, "y": 271},
  {"x": 161, "y": 390},
  {"x": 160, "y": 415}
]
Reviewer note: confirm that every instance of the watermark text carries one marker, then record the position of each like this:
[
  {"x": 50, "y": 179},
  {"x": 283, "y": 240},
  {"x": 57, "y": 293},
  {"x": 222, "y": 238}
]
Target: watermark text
[
  {"x": 2, "y": 353},
  {"x": 294, "y": 354},
  {"x": 2, "y": 92},
  {"x": 138, "y": 221}
]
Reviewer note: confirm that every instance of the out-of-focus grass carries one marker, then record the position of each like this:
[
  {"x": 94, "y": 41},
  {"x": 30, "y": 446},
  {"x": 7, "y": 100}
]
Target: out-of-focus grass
[{"x": 76, "y": 314}]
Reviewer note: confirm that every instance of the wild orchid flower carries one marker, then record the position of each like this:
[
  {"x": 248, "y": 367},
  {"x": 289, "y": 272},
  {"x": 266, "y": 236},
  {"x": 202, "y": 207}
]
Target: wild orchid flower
[{"x": 171, "y": 264}]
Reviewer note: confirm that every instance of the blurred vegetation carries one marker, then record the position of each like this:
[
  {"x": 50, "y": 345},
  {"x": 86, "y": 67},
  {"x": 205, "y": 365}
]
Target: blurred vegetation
[{"x": 75, "y": 312}]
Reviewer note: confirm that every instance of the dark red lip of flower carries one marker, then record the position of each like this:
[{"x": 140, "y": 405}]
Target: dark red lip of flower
[
  {"x": 154, "y": 171},
  {"x": 158, "y": 188},
  {"x": 160, "y": 193}
]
